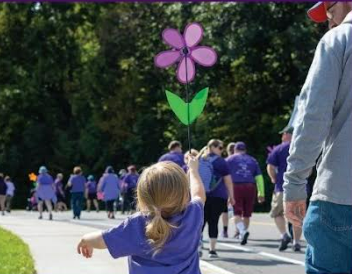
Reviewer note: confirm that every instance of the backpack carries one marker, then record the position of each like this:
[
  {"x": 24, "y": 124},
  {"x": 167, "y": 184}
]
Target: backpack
[{"x": 206, "y": 172}]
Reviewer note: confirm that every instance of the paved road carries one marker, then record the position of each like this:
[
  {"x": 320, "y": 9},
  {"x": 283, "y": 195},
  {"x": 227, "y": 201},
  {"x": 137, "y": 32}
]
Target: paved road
[{"x": 260, "y": 255}]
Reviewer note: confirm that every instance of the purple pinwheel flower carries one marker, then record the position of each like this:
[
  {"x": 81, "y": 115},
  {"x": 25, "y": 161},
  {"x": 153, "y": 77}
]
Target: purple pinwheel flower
[{"x": 186, "y": 52}]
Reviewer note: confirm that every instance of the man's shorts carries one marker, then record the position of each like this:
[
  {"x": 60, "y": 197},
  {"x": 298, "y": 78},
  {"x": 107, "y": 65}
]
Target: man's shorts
[
  {"x": 245, "y": 195},
  {"x": 277, "y": 205}
]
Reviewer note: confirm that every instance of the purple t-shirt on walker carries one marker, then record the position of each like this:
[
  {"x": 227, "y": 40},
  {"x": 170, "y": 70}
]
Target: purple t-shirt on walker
[
  {"x": 179, "y": 254},
  {"x": 278, "y": 158}
]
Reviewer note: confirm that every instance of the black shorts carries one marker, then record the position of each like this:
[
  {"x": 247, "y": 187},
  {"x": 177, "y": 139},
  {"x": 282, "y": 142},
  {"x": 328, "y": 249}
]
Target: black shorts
[
  {"x": 92, "y": 196},
  {"x": 60, "y": 198}
]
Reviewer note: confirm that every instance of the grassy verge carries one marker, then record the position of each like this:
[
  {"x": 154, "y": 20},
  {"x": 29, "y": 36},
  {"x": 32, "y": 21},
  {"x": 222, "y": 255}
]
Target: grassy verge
[{"x": 15, "y": 257}]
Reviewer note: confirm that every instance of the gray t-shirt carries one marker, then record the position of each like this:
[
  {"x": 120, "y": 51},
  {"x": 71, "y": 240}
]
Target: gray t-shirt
[{"x": 325, "y": 123}]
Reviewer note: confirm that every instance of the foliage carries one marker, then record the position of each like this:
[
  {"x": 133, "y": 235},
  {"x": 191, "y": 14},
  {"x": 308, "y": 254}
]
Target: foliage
[{"x": 78, "y": 85}]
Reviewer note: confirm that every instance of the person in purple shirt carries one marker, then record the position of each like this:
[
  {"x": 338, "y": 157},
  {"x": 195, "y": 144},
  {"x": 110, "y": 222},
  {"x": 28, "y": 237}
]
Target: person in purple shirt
[
  {"x": 130, "y": 182},
  {"x": 77, "y": 182},
  {"x": 276, "y": 167},
  {"x": 248, "y": 181},
  {"x": 45, "y": 192},
  {"x": 174, "y": 155},
  {"x": 60, "y": 193},
  {"x": 218, "y": 198},
  {"x": 110, "y": 186},
  {"x": 3, "y": 189},
  {"x": 91, "y": 193},
  {"x": 163, "y": 237}
]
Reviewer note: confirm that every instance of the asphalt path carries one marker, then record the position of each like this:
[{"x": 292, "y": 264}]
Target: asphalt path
[{"x": 260, "y": 255}]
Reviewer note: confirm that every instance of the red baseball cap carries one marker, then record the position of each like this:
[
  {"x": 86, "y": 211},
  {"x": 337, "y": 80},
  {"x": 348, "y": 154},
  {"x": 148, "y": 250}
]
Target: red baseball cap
[{"x": 317, "y": 13}]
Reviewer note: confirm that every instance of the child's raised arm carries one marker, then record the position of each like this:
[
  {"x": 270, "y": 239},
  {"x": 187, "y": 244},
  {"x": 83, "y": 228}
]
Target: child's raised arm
[
  {"x": 196, "y": 184},
  {"x": 89, "y": 242}
]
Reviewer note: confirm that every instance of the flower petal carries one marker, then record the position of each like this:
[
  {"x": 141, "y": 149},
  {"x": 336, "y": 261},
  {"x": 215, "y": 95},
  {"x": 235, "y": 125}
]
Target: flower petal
[
  {"x": 167, "y": 58},
  {"x": 182, "y": 76},
  {"x": 204, "y": 56},
  {"x": 173, "y": 38},
  {"x": 193, "y": 34}
]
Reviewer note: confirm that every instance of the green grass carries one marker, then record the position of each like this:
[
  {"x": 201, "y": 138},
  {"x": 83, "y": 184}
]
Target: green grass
[{"x": 15, "y": 257}]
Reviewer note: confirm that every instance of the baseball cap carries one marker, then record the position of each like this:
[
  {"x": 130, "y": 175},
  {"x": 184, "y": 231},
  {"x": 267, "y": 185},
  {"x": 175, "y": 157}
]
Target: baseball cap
[
  {"x": 287, "y": 129},
  {"x": 240, "y": 146},
  {"x": 317, "y": 13}
]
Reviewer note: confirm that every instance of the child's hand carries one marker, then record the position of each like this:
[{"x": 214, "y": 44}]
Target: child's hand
[
  {"x": 193, "y": 163},
  {"x": 85, "y": 249}
]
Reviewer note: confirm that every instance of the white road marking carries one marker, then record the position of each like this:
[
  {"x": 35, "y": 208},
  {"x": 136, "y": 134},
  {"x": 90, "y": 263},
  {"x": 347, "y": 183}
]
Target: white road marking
[{"x": 265, "y": 254}]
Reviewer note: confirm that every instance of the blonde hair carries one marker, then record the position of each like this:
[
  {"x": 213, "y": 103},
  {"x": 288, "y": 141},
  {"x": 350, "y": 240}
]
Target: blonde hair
[
  {"x": 207, "y": 149},
  {"x": 162, "y": 191}
]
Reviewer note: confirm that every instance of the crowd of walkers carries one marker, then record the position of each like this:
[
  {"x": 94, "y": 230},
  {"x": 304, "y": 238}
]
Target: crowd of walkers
[{"x": 232, "y": 182}]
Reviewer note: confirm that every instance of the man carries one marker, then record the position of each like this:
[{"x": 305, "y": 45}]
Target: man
[
  {"x": 276, "y": 166},
  {"x": 245, "y": 173},
  {"x": 325, "y": 126},
  {"x": 175, "y": 154}
]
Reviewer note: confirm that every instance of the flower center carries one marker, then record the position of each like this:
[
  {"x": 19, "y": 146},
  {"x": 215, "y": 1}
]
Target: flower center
[{"x": 185, "y": 51}]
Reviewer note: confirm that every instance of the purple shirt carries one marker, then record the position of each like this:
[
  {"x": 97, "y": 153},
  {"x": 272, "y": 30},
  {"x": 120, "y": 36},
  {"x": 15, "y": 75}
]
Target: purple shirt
[
  {"x": 91, "y": 186},
  {"x": 45, "y": 188},
  {"x": 179, "y": 254},
  {"x": 131, "y": 180},
  {"x": 109, "y": 185},
  {"x": 243, "y": 168},
  {"x": 175, "y": 157},
  {"x": 278, "y": 158},
  {"x": 220, "y": 169},
  {"x": 78, "y": 183},
  {"x": 59, "y": 187}
]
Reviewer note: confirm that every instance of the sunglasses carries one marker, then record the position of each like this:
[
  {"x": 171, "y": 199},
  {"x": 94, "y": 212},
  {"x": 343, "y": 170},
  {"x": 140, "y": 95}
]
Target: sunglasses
[
  {"x": 329, "y": 15},
  {"x": 220, "y": 147}
]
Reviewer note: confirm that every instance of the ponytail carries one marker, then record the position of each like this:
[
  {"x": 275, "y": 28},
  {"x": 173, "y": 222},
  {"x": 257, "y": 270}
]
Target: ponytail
[{"x": 158, "y": 231}]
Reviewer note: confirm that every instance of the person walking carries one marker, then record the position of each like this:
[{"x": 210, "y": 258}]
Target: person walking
[
  {"x": 220, "y": 196},
  {"x": 130, "y": 182},
  {"x": 109, "y": 185},
  {"x": 325, "y": 128},
  {"x": 230, "y": 149},
  {"x": 77, "y": 184},
  {"x": 9, "y": 193},
  {"x": 45, "y": 192},
  {"x": 60, "y": 193},
  {"x": 174, "y": 155},
  {"x": 248, "y": 185},
  {"x": 276, "y": 166},
  {"x": 91, "y": 193},
  {"x": 3, "y": 189}
]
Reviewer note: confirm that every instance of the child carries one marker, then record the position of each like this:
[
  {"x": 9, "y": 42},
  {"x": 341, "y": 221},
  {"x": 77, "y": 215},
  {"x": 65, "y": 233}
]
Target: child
[{"x": 163, "y": 237}]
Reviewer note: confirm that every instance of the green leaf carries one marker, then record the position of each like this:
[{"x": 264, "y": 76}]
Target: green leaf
[
  {"x": 180, "y": 108},
  {"x": 198, "y": 103}
]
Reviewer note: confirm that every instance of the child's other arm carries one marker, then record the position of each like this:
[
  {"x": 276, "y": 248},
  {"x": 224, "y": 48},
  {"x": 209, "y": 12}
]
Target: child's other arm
[{"x": 89, "y": 242}]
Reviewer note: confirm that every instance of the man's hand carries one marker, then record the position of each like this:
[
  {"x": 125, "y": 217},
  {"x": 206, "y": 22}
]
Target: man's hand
[
  {"x": 261, "y": 199},
  {"x": 85, "y": 249},
  {"x": 295, "y": 212}
]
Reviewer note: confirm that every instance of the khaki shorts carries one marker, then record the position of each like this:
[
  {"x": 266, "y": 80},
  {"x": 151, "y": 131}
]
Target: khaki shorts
[{"x": 277, "y": 205}]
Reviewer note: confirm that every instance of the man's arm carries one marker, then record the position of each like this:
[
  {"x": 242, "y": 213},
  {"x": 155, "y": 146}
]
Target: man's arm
[
  {"x": 271, "y": 172},
  {"x": 315, "y": 114}
]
